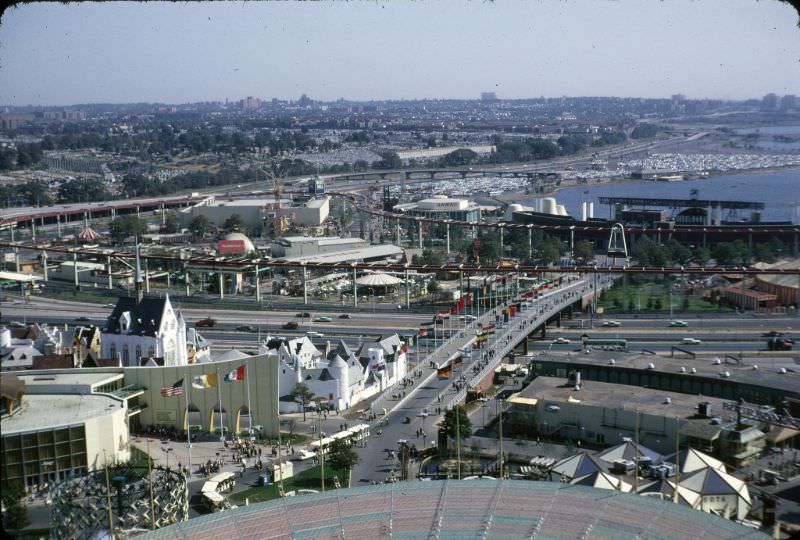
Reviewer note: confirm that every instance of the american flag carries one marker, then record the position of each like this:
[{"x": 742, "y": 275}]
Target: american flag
[{"x": 174, "y": 390}]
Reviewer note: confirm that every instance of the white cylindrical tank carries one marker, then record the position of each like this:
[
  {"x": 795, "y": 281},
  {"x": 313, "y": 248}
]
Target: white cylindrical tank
[
  {"x": 549, "y": 206},
  {"x": 584, "y": 211},
  {"x": 796, "y": 214},
  {"x": 716, "y": 215},
  {"x": 511, "y": 209},
  {"x": 5, "y": 337},
  {"x": 591, "y": 209},
  {"x": 561, "y": 210}
]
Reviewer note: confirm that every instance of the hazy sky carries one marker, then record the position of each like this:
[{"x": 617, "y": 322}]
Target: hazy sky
[{"x": 54, "y": 54}]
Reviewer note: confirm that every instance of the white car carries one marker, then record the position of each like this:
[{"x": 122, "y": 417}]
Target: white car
[
  {"x": 690, "y": 341},
  {"x": 314, "y": 333},
  {"x": 678, "y": 324},
  {"x": 560, "y": 341},
  {"x": 613, "y": 324}
]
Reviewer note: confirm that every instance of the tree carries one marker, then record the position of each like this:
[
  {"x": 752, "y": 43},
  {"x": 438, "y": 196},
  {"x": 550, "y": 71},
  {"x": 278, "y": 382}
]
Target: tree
[
  {"x": 302, "y": 395},
  {"x": 171, "y": 224},
  {"x": 126, "y": 226},
  {"x": 457, "y": 416},
  {"x": 199, "y": 225},
  {"x": 342, "y": 457},
  {"x": 234, "y": 223},
  {"x": 583, "y": 252},
  {"x": 15, "y": 514},
  {"x": 433, "y": 286},
  {"x": 702, "y": 256}
]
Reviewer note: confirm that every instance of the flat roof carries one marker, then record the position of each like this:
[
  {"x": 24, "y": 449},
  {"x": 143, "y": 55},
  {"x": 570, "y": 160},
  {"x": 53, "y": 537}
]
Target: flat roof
[
  {"x": 245, "y": 202},
  {"x": 317, "y": 203},
  {"x": 76, "y": 377},
  {"x": 766, "y": 375},
  {"x": 50, "y": 411},
  {"x": 620, "y": 396},
  {"x": 387, "y": 250}
]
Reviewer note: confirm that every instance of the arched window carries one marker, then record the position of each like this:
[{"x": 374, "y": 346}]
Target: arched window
[
  {"x": 113, "y": 350},
  {"x": 151, "y": 351},
  {"x": 126, "y": 355},
  {"x": 138, "y": 353}
]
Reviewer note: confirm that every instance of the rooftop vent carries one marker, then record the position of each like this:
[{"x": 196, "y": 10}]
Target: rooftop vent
[
  {"x": 683, "y": 369},
  {"x": 782, "y": 371},
  {"x": 611, "y": 362},
  {"x": 724, "y": 374},
  {"x": 693, "y": 370},
  {"x": 651, "y": 366},
  {"x": 755, "y": 367},
  {"x": 667, "y": 400},
  {"x": 717, "y": 361}
]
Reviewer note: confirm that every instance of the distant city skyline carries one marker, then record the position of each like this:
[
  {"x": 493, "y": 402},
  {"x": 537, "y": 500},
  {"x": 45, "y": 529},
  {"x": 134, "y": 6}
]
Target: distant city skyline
[{"x": 124, "y": 52}]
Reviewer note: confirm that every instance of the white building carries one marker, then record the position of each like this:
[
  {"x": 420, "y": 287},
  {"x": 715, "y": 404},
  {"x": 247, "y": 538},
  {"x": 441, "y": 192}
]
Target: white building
[
  {"x": 149, "y": 328},
  {"x": 38, "y": 339},
  {"x": 340, "y": 376}
]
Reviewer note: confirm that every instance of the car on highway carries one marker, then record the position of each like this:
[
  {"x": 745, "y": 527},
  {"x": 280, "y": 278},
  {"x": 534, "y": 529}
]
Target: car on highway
[
  {"x": 690, "y": 341},
  {"x": 303, "y": 315},
  {"x": 246, "y": 328},
  {"x": 208, "y": 322},
  {"x": 772, "y": 333},
  {"x": 678, "y": 324},
  {"x": 322, "y": 319},
  {"x": 291, "y": 325},
  {"x": 612, "y": 324},
  {"x": 560, "y": 341},
  {"x": 345, "y": 316},
  {"x": 314, "y": 333},
  {"x": 82, "y": 318}
]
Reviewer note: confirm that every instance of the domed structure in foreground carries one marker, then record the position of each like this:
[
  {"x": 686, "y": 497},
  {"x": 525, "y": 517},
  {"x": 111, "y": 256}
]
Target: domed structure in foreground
[{"x": 500, "y": 509}]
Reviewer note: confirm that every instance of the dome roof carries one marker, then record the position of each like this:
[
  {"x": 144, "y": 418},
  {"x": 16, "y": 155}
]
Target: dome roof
[{"x": 249, "y": 247}]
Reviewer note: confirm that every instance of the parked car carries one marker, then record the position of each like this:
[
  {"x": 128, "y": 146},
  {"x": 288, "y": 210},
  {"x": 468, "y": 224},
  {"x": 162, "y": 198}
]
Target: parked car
[
  {"x": 246, "y": 328},
  {"x": 82, "y": 318},
  {"x": 772, "y": 333},
  {"x": 612, "y": 324},
  {"x": 678, "y": 324},
  {"x": 303, "y": 315},
  {"x": 207, "y": 322},
  {"x": 291, "y": 325},
  {"x": 314, "y": 334},
  {"x": 690, "y": 341},
  {"x": 345, "y": 316},
  {"x": 560, "y": 341},
  {"x": 322, "y": 319}
]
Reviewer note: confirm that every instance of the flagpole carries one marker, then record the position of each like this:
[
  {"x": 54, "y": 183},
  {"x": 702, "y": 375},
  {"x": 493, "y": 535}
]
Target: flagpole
[
  {"x": 249, "y": 407},
  {"x": 219, "y": 410},
  {"x": 186, "y": 386}
]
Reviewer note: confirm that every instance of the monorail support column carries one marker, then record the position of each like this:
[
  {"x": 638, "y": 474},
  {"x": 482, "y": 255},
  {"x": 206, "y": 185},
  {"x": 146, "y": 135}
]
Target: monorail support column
[
  {"x": 447, "y": 229},
  {"x": 33, "y": 229},
  {"x": 796, "y": 244},
  {"x": 44, "y": 264},
  {"x": 75, "y": 281},
  {"x": 16, "y": 260},
  {"x": 13, "y": 226},
  {"x": 749, "y": 245},
  {"x": 221, "y": 278},
  {"x": 543, "y": 330},
  {"x": 258, "y": 285},
  {"x": 58, "y": 226},
  {"x": 186, "y": 281},
  {"x": 398, "y": 232},
  {"x": 305, "y": 287},
  {"x": 108, "y": 269},
  {"x": 163, "y": 214},
  {"x": 355, "y": 289},
  {"x": 525, "y": 351},
  {"x": 137, "y": 212},
  {"x": 420, "y": 234},
  {"x": 502, "y": 249},
  {"x": 408, "y": 290},
  {"x": 530, "y": 242},
  {"x": 146, "y": 277}
]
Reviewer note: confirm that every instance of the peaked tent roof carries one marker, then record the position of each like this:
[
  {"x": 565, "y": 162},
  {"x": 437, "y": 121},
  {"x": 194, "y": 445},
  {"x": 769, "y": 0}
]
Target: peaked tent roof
[
  {"x": 378, "y": 279},
  {"x": 710, "y": 481},
  {"x": 667, "y": 489},
  {"x": 692, "y": 460},
  {"x": 602, "y": 480},
  {"x": 629, "y": 450},
  {"x": 233, "y": 354},
  {"x": 578, "y": 465}
]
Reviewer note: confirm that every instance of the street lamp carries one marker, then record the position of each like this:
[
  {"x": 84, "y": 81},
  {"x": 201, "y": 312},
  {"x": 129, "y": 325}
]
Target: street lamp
[{"x": 167, "y": 451}]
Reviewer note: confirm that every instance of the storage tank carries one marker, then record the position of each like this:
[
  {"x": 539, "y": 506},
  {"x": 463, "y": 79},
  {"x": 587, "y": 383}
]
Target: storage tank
[
  {"x": 584, "y": 211},
  {"x": 561, "y": 210},
  {"x": 511, "y": 209},
  {"x": 5, "y": 337},
  {"x": 549, "y": 206},
  {"x": 591, "y": 209}
]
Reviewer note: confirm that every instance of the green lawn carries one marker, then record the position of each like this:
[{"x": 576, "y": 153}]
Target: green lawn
[
  {"x": 308, "y": 479},
  {"x": 648, "y": 297}
]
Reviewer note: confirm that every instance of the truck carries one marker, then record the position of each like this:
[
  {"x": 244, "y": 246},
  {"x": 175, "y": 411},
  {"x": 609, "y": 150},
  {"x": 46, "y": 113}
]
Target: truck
[
  {"x": 208, "y": 322},
  {"x": 779, "y": 344}
]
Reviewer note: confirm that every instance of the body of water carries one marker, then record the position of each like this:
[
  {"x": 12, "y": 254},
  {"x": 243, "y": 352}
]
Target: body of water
[
  {"x": 770, "y": 130},
  {"x": 779, "y": 191}
]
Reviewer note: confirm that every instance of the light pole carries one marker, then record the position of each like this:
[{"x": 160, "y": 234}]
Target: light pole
[{"x": 167, "y": 451}]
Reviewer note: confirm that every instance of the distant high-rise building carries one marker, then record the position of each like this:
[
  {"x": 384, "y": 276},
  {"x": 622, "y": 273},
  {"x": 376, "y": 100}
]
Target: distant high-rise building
[
  {"x": 305, "y": 101},
  {"x": 488, "y": 96},
  {"x": 770, "y": 102},
  {"x": 788, "y": 102},
  {"x": 678, "y": 97},
  {"x": 250, "y": 103}
]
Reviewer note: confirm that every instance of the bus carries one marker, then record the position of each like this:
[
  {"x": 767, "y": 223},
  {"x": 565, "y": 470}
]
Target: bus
[
  {"x": 353, "y": 435},
  {"x": 606, "y": 344}
]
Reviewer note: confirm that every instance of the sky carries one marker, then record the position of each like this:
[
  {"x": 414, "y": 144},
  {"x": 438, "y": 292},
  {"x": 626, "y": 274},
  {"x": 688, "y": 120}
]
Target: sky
[{"x": 166, "y": 52}]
